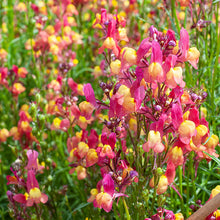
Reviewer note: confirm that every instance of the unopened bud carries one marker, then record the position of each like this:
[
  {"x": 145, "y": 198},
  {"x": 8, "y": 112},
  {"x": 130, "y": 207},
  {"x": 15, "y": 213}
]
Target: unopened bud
[
  {"x": 159, "y": 171},
  {"x": 49, "y": 160},
  {"x": 192, "y": 207},
  {"x": 199, "y": 97},
  {"x": 33, "y": 109},
  {"x": 158, "y": 108},
  {"x": 194, "y": 97},
  {"x": 106, "y": 91},
  {"x": 204, "y": 95},
  {"x": 75, "y": 99},
  {"x": 41, "y": 118},
  {"x": 50, "y": 178},
  {"x": 38, "y": 97}
]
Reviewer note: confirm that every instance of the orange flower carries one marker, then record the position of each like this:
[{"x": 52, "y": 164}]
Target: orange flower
[
  {"x": 176, "y": 156},
  {"x": 4, "y": 134},
  {"x": 186, "y": 130},
  {"x": 17, "y": 89}
]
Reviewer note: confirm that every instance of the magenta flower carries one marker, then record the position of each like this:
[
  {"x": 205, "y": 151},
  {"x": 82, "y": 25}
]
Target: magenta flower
[
  {"x": 107, "y": 146},
  {"x": 187, "y": 54},
  {"x": 89, "y": 94},
  {"x": 105, "y": 198},
  {"x": 32, "y": 156},
  {"x": 183, "y": 44},
  {"x": 155, "y": 73}
]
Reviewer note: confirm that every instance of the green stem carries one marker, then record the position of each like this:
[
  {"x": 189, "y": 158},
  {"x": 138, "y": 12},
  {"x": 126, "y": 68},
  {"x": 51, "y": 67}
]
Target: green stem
[
  {"x": 187, "y": 193},
  {"x": 192, "y": 172},
  {"x": 1, "y": 13},
  {"x": 10, "y": 26},
  {"x": 181, "y": 187},
  {"x": 215, "y": 69},
  {"x": 174, "y": 15},
  {"x": 126, "y": 209},
  {"x": 37, "y": 212},
  {"x": 156, "y": 181}
]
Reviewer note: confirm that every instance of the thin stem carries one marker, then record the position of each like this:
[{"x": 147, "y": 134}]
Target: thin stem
[
  {"x": 181, "y": 187},
  {"x": 173, "y": 8},
  {"x": 154, "y": 196},
  {"x": 126, "y": 209},
  {"x": 37, "y": 212},
  {"x": 187, "y": 193},
  {"x": 192, "y": 172},
  {"x": 215, "y": 68}
]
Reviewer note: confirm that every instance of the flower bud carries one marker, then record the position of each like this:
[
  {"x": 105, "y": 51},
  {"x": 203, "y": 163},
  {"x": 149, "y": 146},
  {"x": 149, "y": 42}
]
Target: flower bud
[
  {"x": 50, "y": 178},
  {"x": 33, "y": 109},
  {"x": 159, "y": 171},
  {"x": 38, "y": 97},
  {"x": 41, "y": 118}
]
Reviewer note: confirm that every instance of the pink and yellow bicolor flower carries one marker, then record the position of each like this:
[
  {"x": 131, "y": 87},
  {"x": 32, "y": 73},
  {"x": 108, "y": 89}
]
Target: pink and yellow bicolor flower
[
  {"x": 185, "y": 128},
  {"x": 104, "y": 198},
  {"x": 187, "y": 54},
  {"x": 33, "y": 194},
  {"x": 154, "y": 142},
  {"x": 155, "y": 73}
]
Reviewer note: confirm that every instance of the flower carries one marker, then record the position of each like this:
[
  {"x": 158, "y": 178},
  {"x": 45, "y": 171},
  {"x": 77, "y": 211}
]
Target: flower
[
  {"x": 104, "y": 199},
  {"x": 33, "y": 194},
  {"x": 33, "y": 161},
  {"x": 154, "y": 142}
]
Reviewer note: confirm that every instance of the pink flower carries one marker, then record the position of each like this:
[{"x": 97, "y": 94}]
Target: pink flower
[
  {"x": 106, "y": 148},
  {"x": 72, "y": 85},
  {"x": 154, "y": 142},
  {"x": 104, "y": 199},
  {"x": 111, "y": 42},
  {"x": 187, "y": 54},
  {"x": 173, "y": 74},
  {"x": 155, "y": 73},
  {"x": 89, "y": 94},
  {"x": 33, "y": 161},
  {"x": 33, "y": 194}
]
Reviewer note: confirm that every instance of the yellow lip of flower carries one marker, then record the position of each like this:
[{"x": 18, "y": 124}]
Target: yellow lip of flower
[
  {"x": 94, "y": 192},
  {"x": 26, "y": 196},
  {"x": 35, "y": 193},
  {"x": 24, "y": 125},
  {"x": 56, "y": 122}
]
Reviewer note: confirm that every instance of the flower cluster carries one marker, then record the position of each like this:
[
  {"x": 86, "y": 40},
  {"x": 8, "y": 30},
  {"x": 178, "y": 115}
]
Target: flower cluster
[
  {"x": 32, "y": 194},
  {"x": 127, "y": 138},
  {"x": 149, "y": 87}
]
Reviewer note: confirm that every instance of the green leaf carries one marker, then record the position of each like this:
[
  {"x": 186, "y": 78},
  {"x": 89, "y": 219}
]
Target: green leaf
[
  {"x": 214, "y": 158},
  {"x": 216, "y": 1},
  {"x": 81, "y": 206}
]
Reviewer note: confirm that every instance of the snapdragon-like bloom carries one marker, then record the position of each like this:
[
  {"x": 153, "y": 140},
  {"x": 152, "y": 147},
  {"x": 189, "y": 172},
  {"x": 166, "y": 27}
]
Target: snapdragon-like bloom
[
  {"x": 154, "y": 142},
  {"x": 33, "y": 194},
  {"x": 121, "y": 103},
  {"x": 111, "y": 42},
  {"x": 32, "y": 156},
  {"x": 187, "y": 54},
  {"x": 174, "y": 76},
  {"x": 104, "y": 199},
  {"x": 155, "y": 72},
  {"x": 186, "y": 128}
]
